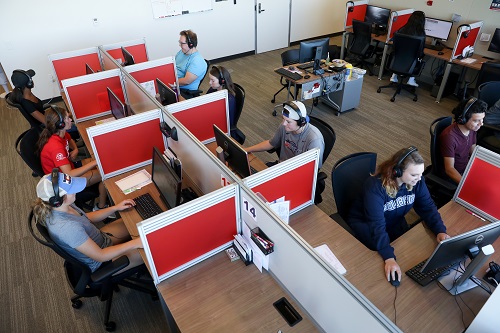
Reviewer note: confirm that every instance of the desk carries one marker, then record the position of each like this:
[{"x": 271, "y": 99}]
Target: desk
[
  {"x": 419, "y": 309},
  {"x": 82, "y": 129},
  {"x": 255, "y": 162}
]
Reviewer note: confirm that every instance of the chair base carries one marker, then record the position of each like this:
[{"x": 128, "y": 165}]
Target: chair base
[{"x": 400, "y": 86}]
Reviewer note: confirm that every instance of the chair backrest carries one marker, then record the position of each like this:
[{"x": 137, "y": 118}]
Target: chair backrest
[
  {"x": 204, "y": 76},
  {"x": 290, "y": 57},
  {"x": 348, "y": 177},
  {"x": 362, "y": 37},
  {"x": 31, "y": 120},
  {"x": 26, "y": 148},
  {"x": 489, "y": 92},
  {"x": 490, "y": 71},
  {"x": 435, "y": 130},
  {"x": 240, "y": 101},
  {"x": 328, "y": 135},
  {"x": 407, "y": 53}
]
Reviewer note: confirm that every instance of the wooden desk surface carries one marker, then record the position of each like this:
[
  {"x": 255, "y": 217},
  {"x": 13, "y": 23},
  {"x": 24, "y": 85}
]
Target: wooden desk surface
[
  {"x": 479, "y": 60},
  {"x": 312, "y": 77},
  {"x": 82, "y": 129},
  {"x": 446, "y": 56},
  {"x": 255, "y": 162},
  {"x": 419, "y": 309}
]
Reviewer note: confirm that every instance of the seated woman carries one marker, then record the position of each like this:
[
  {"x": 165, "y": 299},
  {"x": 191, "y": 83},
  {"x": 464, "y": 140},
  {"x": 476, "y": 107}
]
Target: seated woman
[
  {"x": 74, "y": 230},
  {"x": 58, "y": 150},
  {"x": 377, "y": 217},
  {"x": 220, "y": 78}
]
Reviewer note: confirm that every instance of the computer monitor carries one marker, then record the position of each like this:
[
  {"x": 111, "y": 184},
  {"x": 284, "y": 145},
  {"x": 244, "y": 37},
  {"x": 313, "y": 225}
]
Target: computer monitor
[
  {"x": 88, "y": 69},
  {"x": 117, "y": 107},
  {"x": 234, "y": 154},
  {"x": 456, "y": 248},
  {"x": 495, "y": 42},
  {"x": 377, "y": 16},
  {"x": 437, "y": 29},
  {"x": 307, "y": 50},
  {"x": 128, "y": 59},
  {"x": 166, "y": 180},
  {"x": 167, "y": 95}
]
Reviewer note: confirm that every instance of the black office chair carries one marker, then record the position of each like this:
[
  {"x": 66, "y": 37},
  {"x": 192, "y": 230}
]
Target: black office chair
[
  {"x": 31, "y": 120},
  {"x": 236, "y": 133},
  {"x": 406, "y": 60},
  {"x": 102, "y": 282},
  {"x": 490, "y": 71},
  {"x": 187, "y": 94},
  {"x": 361, "y": 45},
  {"x": 441, "y": 187},
  {"x": 288, "y": 57},
  {"x": 348, "y": 176},
  {"x": 489, "y": 92}
]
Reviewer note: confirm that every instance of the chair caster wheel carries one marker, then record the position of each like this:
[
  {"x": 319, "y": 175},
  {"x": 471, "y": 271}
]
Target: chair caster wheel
[
  {"x": 77, "y": 304},
  {"x": 273, "y": 100},
  {"x": 275, "y": 113},
  {"x": 393, "y": 99},
  {"x": 379, "y": 90},
  {"x": 415, "y": 99},
  {"x": 315, "y": 101},
  {"x": 110, "y": 326}
]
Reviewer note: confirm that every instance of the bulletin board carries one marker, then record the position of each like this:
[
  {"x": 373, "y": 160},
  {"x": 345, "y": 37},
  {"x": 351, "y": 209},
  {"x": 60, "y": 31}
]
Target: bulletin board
[{"x": 166, "y": 8}]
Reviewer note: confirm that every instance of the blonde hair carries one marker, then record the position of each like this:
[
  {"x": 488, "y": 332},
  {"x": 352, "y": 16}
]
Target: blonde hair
[{"x": 42, "y": 211}]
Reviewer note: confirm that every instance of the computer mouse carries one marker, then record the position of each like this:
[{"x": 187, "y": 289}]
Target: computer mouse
[
  {"x": 291, "y": 68},
  {"x": 440, "y": 52},
  {"x": 307, "y": 76},
  {"x": 395, "y": 282}
]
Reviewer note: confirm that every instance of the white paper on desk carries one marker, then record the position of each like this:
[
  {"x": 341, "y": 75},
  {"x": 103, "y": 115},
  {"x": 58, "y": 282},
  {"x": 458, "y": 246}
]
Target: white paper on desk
[
  {"x": 468, "y": 60},
  {"x": 325, "y": 252},
  {"x": 282, "y": 208},
  {"x": 107, "y": 120},
  {"x": 149, "y": 86},
  {"x": 134, "y": 182}
]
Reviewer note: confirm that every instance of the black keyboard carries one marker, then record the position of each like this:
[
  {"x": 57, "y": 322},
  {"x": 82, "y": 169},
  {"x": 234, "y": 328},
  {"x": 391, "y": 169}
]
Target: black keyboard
[
  {"x": 146, "y": 206},
  {"x": 252, "y": 170},
  {"x": 306, "y": 65},
  {"x": 434, "y": 47},
  {"x": 424, "y": 279},
  {"x": 288, "y": 74}
]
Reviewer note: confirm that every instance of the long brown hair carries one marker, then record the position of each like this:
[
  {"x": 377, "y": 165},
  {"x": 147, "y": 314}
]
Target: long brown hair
[
  {"x": 221, "y": 72},
  {"x": 51, "y": 119}
]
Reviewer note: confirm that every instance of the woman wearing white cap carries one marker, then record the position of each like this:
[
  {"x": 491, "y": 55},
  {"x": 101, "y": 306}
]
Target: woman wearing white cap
[{"x": 74, "y": 230}]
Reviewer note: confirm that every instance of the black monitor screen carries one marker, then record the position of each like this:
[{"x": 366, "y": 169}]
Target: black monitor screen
[
  {"x": 128, "y": 59},
  {"x": 438, "y": 29},
  {"x": 117, "y": 107},
  {"x": 88, "y": 69},
  {"x": 234, "y": 154},
  {"x": 307, "y": 51},
  {"x": 167, "y": 95},
  {"x": 166, "y": 180},
  {"x": 495, "y": 42},
  {"x": 377, "y": 15}
]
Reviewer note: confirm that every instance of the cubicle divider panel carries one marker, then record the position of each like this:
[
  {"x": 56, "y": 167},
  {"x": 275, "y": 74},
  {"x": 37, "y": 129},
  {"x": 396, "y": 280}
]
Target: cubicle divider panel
[
  {"x": 358, "y": 12},
  {"x": 148, "y": 72},
  {"x": 293, "y": 179},
  {"x": 72, "y": 64},
  {"x": 397, "y": 21},
  {"x": 87, "y": 95},
  {"x": 136, "y": 95},
  {"x": 329, "y": 299},
  {"x": 126, "y": 144},
  {"x": 183, "y": 236},
  {"x": 108, "y": 62},
  {"x": 479, "y": 188},
  {"x": 135, "y": 47},
  {"x": 466, "y": 38},
  {"x": 199, "y": 114}
]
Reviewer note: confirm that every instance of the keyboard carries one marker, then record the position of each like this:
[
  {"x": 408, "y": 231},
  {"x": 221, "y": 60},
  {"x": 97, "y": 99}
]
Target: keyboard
[
  {"x": 434, "y": 47},
  {"x": 253, "y": 170},
  {"x": 424, "y": 279},
  {"x": 306, "y": 65},
  {"x": 146, "y": 206},
  {"x": 288, "y": 74}
]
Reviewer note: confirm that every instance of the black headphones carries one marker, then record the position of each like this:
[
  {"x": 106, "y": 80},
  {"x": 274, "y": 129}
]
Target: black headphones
[
  {"x": 395, "y": 17},
  {"x": 463, "y": 118},
  {"x": 302, "y": 120},
  {"x": 397, "y": 170},
  {"x": 466, "y": 33},
  {"x": 222, "y": 80},
  {"x": 60, "y": 124},
  {"x": 351, "y": 8},
  {"x": 56, "y": 200},
  {"x": 30, "y": 83},
  {"x": 188, "y": 39}
]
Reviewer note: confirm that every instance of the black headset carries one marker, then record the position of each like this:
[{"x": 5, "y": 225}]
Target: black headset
[
  {"x": 397, "y": 170},
  {"x": 190, "y": 43},
  {"x": 30, "y": 83},
  {"x": 222, "y": 80},
  {"x": 466, "y": 33},
  {"x": 463, "y": 118},
  {"x": 302, "y": 120},
  {"x": 60, "y": 124},
  {"x": 56, "y": 200},
  {"x": 351, "y": 8}
]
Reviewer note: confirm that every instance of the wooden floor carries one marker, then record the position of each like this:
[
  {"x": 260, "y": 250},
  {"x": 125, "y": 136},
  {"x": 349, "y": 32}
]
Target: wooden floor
[{"x": 34, "y": 296}]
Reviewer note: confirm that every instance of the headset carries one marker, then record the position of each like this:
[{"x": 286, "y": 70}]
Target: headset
[
  {"x": 462, "y": 119},
  {"x": 397, "y": 170},
  {"x": 351, "y": 8},
  {"x": 30, "y": 83},
  {"x": 56, "y": 200},
  {"x": 302, "y": 120},
  {"x": 190, "y": 43},
  {"x": 466, "y": 33},
  {"x": 395, "y": 17},
  {"x": 222, "y": 80},
  {"x": 60, "y": 124}
]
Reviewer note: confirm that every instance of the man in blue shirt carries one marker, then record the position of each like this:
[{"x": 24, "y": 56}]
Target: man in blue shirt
[{"x": 191, "y": 66}]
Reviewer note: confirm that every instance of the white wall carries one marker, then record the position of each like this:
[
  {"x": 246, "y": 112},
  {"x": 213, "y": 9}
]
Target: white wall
[{"x": 311, "y": 18}]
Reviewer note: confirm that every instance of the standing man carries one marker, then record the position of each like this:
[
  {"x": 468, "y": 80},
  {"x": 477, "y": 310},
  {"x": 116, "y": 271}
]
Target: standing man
[{"x": 191, "y": 66}]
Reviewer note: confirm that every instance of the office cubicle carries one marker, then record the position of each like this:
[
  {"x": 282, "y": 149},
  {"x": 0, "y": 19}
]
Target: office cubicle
[{"x": 72, "y": 63}]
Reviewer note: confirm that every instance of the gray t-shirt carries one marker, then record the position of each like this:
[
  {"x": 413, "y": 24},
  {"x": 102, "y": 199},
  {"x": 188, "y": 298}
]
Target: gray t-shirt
[
  {"x": 294, "y": 144},
  {"x": 70, "y": 231}
]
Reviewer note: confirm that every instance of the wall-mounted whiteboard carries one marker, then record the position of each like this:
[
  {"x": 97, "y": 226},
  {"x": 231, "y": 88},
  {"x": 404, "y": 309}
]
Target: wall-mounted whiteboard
[{"x": 166, "y": 8}]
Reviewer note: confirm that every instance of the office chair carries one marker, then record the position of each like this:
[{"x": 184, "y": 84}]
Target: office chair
[
  {"x": 288, "y": 57},
  {"x": 441, "y": 187},
  {"x": 361, "y": 45},
  {"x": 236, "y": 133},
  {"x": 490, "y": 71},
  {"x": 489, "y": 92},
  {"x": 31, "y": 120},
  {"x": 102, "y": 282},
  {"x": 405, "y": 62},
  {"x": 187, "y": 94},
  {"x": 348, "y": 176}
]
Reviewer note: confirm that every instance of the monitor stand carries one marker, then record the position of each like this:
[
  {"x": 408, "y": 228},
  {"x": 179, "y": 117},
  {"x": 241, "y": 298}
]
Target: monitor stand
[
  {"x": 458, "y": 283},
  {"x": 317, "y": 70}
]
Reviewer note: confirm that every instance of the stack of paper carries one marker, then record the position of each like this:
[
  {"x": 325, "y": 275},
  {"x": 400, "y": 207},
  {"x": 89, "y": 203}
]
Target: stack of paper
[
  {"x": 325, "y": 252},
  {"x": 134, "y": 182},
  {"x": 245, "y": 251}
]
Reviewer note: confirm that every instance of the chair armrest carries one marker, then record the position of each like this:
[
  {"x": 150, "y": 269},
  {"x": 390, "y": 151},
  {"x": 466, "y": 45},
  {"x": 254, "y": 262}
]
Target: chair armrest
[
  {"x": 321, "y": 176},
  {"x": 102, "y": 273},
  {"x": 441, "y": 182}
]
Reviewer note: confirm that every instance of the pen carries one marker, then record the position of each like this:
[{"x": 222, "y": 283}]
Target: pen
[{"x": 475, "y": 215}]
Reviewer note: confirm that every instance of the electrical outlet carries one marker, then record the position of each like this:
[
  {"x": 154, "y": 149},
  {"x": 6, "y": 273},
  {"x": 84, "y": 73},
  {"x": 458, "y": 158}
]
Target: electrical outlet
[
  {"x": 95, "y": 22},
  {"x": 485, "y": 37},
  {"x": 456, "y": 18},
  {"x": 52, "y": 78}
]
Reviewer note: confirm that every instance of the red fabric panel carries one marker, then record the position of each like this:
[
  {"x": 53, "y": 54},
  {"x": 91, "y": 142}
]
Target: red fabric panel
[
  {"x": 199, "y": 119},
  {"x": 91, "y": 98},
  {"x": 166, "y": 73},
  {"x": 75, "y": 66},
  {"x": 358, "y": 13},
  {"x": 400, "y": 22},
  {"x": 137, "y": 51},
  {"x": 193, "y": 236},
  {"x": 482, "y": 187},
  {"x": 296, "y": 185},
  {"x": 469, "y": 41},
  {"x": 129, "y": 145}
]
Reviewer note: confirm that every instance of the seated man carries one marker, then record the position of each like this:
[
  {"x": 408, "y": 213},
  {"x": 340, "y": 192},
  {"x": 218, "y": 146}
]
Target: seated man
[
  {"x": 191, "y": 66},
  {"x": 294, "y": 136},
  {"x": 458, "y": 140}
]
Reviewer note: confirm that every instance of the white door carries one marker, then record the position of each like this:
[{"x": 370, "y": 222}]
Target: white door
[{"x": 272, "y": 24}]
